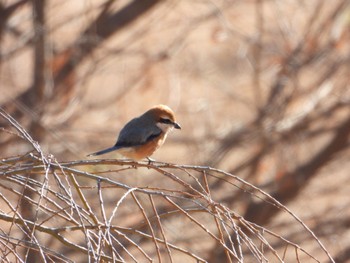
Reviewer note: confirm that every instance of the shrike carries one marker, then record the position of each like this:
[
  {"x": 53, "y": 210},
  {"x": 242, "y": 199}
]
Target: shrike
[{"x": 143, "y": 135}]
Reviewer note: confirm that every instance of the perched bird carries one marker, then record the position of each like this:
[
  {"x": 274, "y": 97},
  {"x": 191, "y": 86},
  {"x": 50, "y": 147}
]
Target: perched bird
[{"x": 143, "y": 135}]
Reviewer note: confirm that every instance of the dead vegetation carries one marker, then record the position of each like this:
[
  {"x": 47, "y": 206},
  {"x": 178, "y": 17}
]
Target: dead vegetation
[{"x": 78, "y": 213}]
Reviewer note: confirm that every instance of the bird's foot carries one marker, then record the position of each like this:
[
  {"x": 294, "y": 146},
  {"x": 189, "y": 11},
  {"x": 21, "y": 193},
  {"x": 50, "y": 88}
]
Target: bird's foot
[{"x": 150, "y": 160}]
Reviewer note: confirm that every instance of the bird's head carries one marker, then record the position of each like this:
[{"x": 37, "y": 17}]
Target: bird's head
[{"x": 164, "y": 118}]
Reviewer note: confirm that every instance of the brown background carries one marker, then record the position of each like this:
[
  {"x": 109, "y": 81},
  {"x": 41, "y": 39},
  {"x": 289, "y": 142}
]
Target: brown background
[{"x": 260, "y": 88}]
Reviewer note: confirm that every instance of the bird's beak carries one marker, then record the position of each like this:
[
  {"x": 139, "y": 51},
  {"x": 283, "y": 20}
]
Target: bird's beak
[{"x": 177, "y": 126}]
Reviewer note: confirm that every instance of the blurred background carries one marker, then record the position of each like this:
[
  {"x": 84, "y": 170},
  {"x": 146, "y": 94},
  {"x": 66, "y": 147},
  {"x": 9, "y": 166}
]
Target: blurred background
[{"x": 260, "y": 88}]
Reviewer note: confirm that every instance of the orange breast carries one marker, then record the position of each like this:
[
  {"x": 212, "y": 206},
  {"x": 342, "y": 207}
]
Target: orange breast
[{"x": 143, "y": 151}]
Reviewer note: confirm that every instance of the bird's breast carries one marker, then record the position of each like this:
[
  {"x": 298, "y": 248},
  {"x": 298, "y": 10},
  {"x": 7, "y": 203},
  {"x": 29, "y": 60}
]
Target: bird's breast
[{"x": 145, "y": 150}]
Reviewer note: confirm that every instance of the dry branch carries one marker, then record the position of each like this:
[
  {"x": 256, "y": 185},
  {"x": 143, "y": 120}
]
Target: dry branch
[{"x": 65, "y": 195}]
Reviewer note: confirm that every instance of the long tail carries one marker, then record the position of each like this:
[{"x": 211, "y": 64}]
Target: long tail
[{"x": 110, "y": 149}]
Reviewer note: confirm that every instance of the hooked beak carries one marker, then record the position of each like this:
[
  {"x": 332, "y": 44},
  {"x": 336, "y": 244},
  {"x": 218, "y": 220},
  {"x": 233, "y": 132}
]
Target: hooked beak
[{"x": 177, "y": 126}]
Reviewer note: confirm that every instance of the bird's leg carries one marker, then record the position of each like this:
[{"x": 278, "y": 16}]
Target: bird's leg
[{"x": 150, "y": 160}]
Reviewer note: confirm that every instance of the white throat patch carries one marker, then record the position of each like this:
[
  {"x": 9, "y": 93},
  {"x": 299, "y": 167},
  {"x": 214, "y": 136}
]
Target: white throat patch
[{"x": 165, "y": 127}]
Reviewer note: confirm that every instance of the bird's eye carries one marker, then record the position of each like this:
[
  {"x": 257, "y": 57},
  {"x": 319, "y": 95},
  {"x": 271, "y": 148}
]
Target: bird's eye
[{"x": 166, "y": 121}]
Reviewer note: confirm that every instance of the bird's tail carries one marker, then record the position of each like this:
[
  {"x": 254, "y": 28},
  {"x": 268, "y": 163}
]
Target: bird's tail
[{"x": 110, "y": 149}]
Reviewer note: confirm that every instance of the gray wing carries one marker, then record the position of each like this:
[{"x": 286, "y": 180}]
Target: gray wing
[{"x": 137, "y": 132}]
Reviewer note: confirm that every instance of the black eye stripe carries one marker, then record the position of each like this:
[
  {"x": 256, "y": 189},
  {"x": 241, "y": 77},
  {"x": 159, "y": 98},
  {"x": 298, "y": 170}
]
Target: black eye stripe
[{"x": 166, "y": 121}]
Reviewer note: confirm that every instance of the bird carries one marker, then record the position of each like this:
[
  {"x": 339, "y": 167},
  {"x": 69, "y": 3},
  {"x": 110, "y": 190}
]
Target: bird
[{"x": 143, "y": 135}]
